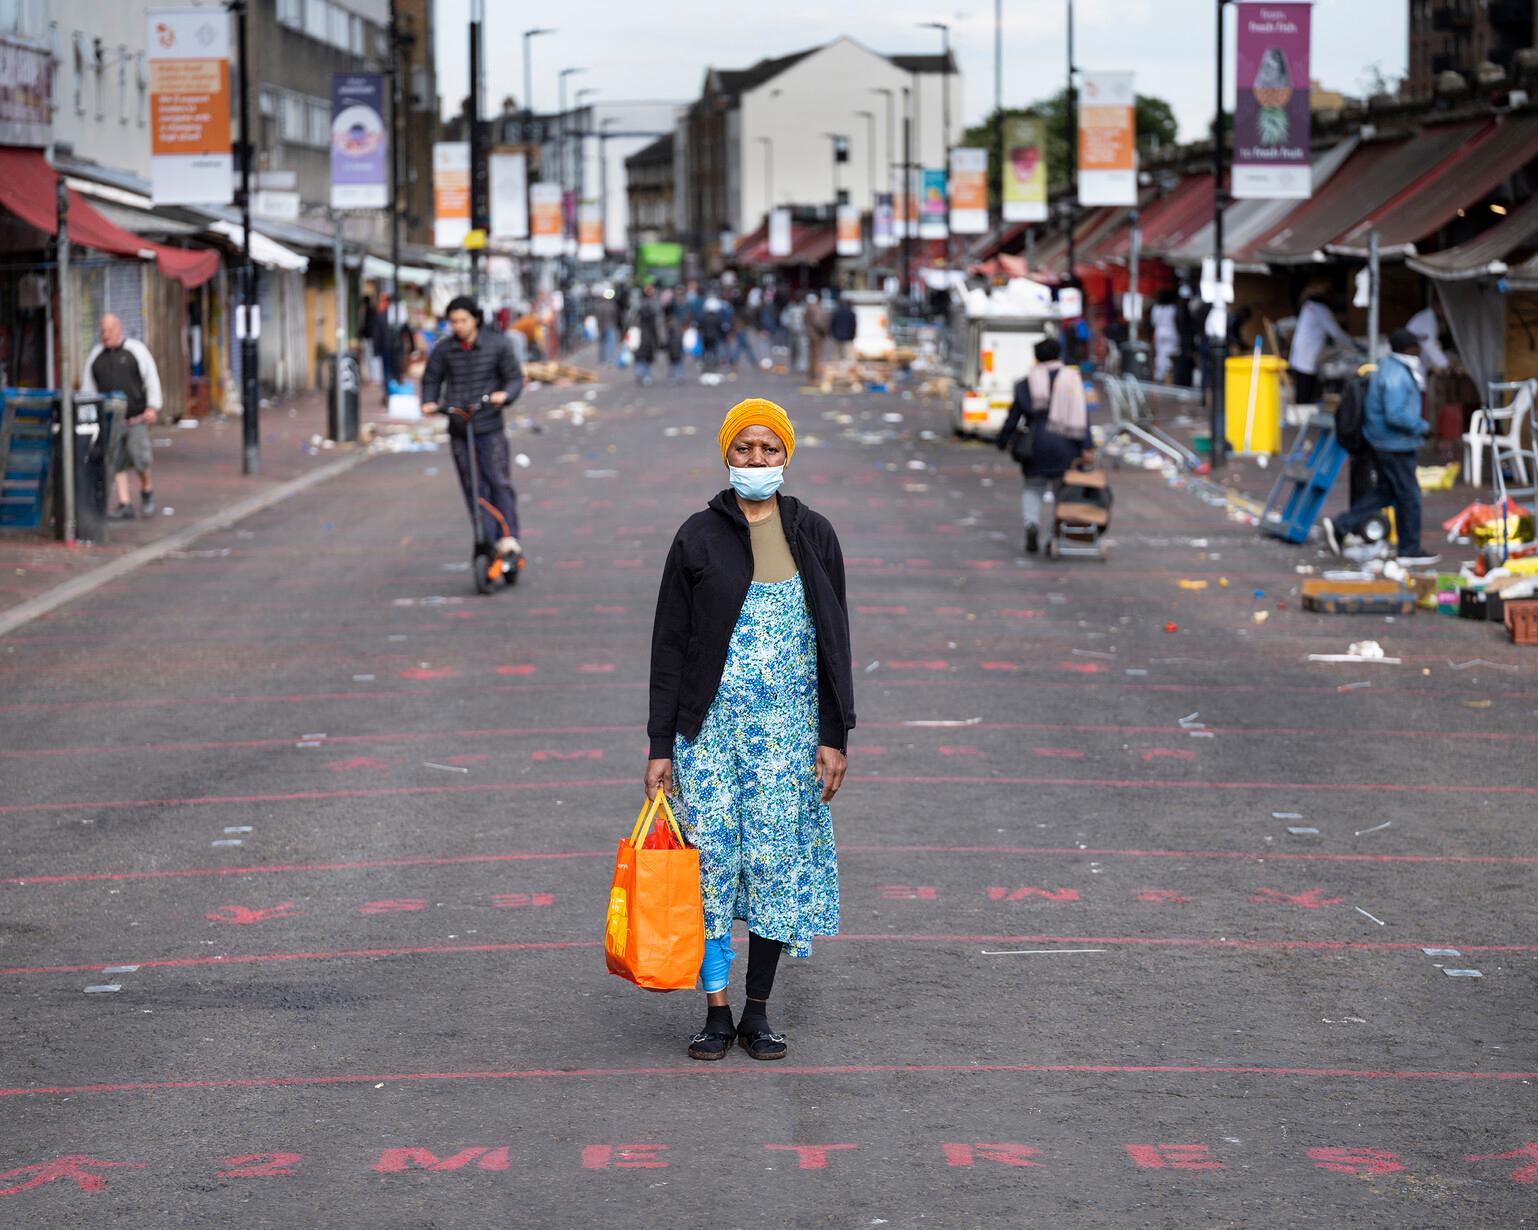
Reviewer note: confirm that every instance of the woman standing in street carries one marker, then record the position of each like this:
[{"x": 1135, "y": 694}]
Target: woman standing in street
[
  {"x": 1049, "y": 402},
  {"x": 752, "y": 701}
]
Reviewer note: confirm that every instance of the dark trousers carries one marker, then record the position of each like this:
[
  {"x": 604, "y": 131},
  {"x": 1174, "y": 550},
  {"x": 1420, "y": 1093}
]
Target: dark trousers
[
  {"x": 1305, "y": 388},
  {"x": 1363, "y": 475},
  {"x": 497, "y": 500},
  {"x": 1396, "y": 487}
]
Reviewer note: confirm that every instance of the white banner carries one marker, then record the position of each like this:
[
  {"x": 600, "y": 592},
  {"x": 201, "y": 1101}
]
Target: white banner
[
  {"x": 546, "y": 220},
  {"x": 969, "y": 191},
  {"x": 509, "y": 198},
  {"x": 189, "y": 87},
  {"x": 590, "y": 232},
  {"x": 847, "y": 234},
  {"x": 451, "y": 193},
  {"x": 779, "y": 232},
  {"x": 1107, "y": 140}
]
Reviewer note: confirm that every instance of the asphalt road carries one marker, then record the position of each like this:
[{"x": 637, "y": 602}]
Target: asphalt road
[{"x": 1087, "y": 976}]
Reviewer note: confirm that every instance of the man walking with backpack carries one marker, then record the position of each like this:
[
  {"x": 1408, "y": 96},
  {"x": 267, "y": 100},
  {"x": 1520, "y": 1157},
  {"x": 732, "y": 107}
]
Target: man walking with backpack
[{"x": 1393, "y": 427}]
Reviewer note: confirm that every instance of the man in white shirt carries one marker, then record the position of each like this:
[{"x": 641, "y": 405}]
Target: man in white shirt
[
  {"x": 1316, "y": 326},
  {"x": 1426, "y": 324},
  {"x": 124, "y": 365}
]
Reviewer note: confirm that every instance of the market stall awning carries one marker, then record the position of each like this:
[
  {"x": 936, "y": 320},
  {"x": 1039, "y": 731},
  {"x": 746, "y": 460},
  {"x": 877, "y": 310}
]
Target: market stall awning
[
  {"x": 28, "y": 189},
  {"x": 1374, "y": 175},
  {"x": 1110, "y": 229},
  {"x": 268, "y": 253},
  {"x": 810, "y": 245},
  {"x": 1469, "y": 174},
  {"x": 1246, "y": 221},
  {"x": 1485, "y": 255},
  {"x": 378, "y": 268},
  {"x": 753, "y": 248},
  {"x": 1182, "y": 214}
]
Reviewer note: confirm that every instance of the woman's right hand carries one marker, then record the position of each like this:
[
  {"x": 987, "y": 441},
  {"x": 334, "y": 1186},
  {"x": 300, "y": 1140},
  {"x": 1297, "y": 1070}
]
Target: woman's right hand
[{"x": 659, "y": 775}]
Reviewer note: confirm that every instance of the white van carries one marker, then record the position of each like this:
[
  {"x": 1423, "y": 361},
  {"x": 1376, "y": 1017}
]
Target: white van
[{"x": 999, "y": 351}]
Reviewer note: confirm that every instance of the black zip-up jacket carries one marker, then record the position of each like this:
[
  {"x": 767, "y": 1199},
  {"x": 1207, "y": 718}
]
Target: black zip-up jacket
[
  {"x": 457, "y": 375},
  {"x": 704, "y": 583}
]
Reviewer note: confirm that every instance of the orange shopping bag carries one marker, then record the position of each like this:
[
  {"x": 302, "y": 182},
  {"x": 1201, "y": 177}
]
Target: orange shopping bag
[{"x": 655, "y": 934}]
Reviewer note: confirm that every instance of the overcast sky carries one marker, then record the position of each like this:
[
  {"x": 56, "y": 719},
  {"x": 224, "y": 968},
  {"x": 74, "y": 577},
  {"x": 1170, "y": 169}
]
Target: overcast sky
[{"x": 660, "y": 49}]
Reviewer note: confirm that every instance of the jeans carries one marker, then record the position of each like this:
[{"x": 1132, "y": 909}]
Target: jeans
[
  {"x": 675, "y": 372},
  {"x": 1363, "y": 475},
  {"x": 1396, "y": 486},
  {"x": 1036, "y": 494},
  {"x": 643, "y": 371},
  {"x": 497, "y": 500},
  {"x": 608, "y": 344}
]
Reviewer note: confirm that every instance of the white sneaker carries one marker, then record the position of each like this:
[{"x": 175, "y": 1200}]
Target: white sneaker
[
  {"x": 1331, "y": 539},
  {"x": 508, "y": 546},
  {"x": 1417, "y": 561}
]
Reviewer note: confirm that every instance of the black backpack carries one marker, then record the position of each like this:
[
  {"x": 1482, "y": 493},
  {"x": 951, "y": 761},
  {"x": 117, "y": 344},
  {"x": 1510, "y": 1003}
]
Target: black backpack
[{"x": 1351, "y": 415}]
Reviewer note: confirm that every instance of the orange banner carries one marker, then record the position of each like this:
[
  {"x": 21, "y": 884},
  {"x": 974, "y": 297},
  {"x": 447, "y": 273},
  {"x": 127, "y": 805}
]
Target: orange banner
[{"x": 189, "y": 107}]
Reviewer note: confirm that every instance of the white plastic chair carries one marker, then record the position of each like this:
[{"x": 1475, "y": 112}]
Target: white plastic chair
[{"x": 1498, "y": 429}]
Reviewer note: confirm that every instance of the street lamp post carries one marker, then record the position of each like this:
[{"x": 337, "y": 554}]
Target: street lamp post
[
  {"x": 561, "y": 150},
  {"x": 579, "y": 185},
  {"x": 870, "y": 149},
  {"x": 250, "y": 361},
  {"x": 1217, "y": 424},
  {"x": 945, "y": 110},
  {"x": 889, "y": 127},
  {"x": 840, "y": 143},
  {"x": 768, "y": 144},
  {"x": 1073, "y": 147},
  {"x": 528, "y": 79},
  {"x": 603, "y": 177}
]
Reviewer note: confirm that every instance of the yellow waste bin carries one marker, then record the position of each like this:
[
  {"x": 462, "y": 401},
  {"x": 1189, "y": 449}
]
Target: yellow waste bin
[{"x": 1253, "y": 404}]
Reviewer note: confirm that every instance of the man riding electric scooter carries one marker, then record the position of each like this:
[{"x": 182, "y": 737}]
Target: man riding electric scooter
[{"x": 476, "y": 370}]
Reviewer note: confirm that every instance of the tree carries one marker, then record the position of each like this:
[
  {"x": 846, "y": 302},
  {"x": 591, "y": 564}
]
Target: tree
[{"x": 1156, "y": 128}]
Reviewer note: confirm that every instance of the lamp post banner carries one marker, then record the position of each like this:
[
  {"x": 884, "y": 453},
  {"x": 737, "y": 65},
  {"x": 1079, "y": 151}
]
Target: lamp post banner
[
  {"x": 883, "y": 222},
  {"x": 779, "y": 232},
  {"x": 969, "y": 191},
  {"x": 1107, "y": 140},
  {"x": 1271, "y": 113},
  {"x": 933, "y": 206},
  {"x": 847, "y": 235},
  {"x": 546, "y": 222},
  {"x": 1025, "y": 170},
  {"x": 360, "y": 152},
  {"x": 508, "y": 174},
  {"x": 189, "y": 88}
]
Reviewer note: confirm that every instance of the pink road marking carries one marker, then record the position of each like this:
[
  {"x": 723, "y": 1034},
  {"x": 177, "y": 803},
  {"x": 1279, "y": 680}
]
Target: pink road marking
[
  {"x": 1120, "y": 941},
  {"x": 781, "y": 1069},
  {"x": 459, "y": 860},
  {"x": 1105, "y": 783},
  {"x": 515, "y": 732}
]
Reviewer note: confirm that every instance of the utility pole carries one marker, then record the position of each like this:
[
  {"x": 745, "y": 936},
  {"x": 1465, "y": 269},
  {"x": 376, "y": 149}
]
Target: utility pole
[
  {"x": 528, "y": 81},
  {"x": 891, "y": 137},
  {"x": 603, "y": 176},
  {"x": 395, "y": 166},
  {"x": 1073, "y": 150},
  {"x": 250, "y": 357},
  {"x": 478, "y": 219},
  {"x": 1218, "y": 424},
  {"x": 68, "y": 330},
  {"x": 909, "y": 210},
  {"x": 998, "y": 105}
]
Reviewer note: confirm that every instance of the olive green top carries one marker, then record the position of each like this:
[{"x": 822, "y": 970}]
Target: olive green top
[{"x": 771, "y": 554}]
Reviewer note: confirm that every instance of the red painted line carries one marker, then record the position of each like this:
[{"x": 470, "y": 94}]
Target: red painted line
[
  {"x": 782, "y": 1069},
  {"x": 1106, "y": 783},
  {"x": 483, "y": 688},
  {"x": 459, "y": 950},
  {"x": 456, "y": 860},
  {"x": 518, "y": 732}
]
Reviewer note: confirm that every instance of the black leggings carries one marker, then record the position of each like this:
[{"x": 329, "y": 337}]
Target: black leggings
[{"x": 763, "y": 959}]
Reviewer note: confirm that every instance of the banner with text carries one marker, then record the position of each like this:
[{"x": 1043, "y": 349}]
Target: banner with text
[
  {"x": 589, "y": 231},
  {"x": 969, "y": 191},
  {"x": 1271, "y": 114},
  {"x": 849, "y": 238},
  {"x": 932, "y": 205},
  {"x": 189, "y": 86},
  {"x": 451, "y": 193},
  {"x": 882, "y": 223},
  {"x": 1107, "y": 140},
  {"x": 546, "y": 223},
  {"x": 509, "y": 197},
  {"x": 905, "y": 202},
  {"x": 1025, "y": 170},
  {"x": 360, "y": 155}
]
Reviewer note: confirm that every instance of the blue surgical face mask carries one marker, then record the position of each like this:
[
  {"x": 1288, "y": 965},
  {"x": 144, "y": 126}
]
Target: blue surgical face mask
[{"x": 756, "y": 482}]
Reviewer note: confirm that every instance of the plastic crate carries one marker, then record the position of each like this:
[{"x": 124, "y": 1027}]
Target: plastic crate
[{"x": 1522, "y": 621}]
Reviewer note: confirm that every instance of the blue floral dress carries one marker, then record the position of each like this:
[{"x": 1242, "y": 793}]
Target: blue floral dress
[{"x": 751, "y": 799}]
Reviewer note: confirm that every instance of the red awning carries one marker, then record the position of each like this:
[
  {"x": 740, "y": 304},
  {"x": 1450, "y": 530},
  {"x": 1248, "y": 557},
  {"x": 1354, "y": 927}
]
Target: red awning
[
  {"x": 28, "y": 189},
  {"x": 810, "y": 245},
  {"x": 753, "y": 248},
  {"x": 1465, "y": 177},
  {"x": 1376, "y": 174}
]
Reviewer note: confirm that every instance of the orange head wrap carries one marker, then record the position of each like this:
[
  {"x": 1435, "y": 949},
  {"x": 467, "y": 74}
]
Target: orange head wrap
[{"x": 757, "y": 412}]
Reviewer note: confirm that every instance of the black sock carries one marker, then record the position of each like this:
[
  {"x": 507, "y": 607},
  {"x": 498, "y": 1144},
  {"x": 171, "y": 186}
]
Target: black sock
[
  {"x": 755, "y": 1017},
  {"x": 763, "y": 959},
  {"x": 719, "y": 1020}
]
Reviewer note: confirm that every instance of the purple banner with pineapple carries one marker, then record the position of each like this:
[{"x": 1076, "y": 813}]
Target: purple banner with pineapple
[{"x": 1271, "y": 117}]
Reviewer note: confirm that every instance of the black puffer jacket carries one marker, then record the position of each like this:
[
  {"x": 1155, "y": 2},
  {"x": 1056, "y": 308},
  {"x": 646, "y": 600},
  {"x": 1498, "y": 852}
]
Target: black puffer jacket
[{"x": 704, "y": 584}]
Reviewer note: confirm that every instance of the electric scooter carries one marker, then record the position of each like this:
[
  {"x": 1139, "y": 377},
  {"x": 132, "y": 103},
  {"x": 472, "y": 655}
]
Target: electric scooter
[{"x": 486, "y": 566}]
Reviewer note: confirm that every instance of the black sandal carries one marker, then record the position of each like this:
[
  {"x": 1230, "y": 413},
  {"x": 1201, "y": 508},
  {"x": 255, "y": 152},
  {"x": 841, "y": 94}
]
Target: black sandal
[
  {"x": 710, "y": 1044},
  {"x": 762, "y": 1043}
]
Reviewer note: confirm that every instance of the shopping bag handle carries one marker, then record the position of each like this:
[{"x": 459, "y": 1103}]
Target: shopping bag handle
[{"x": 648, "y": 816}]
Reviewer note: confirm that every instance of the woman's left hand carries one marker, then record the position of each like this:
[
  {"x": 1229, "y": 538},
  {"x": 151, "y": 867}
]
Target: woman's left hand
[{"x": 831, "y": 766}]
